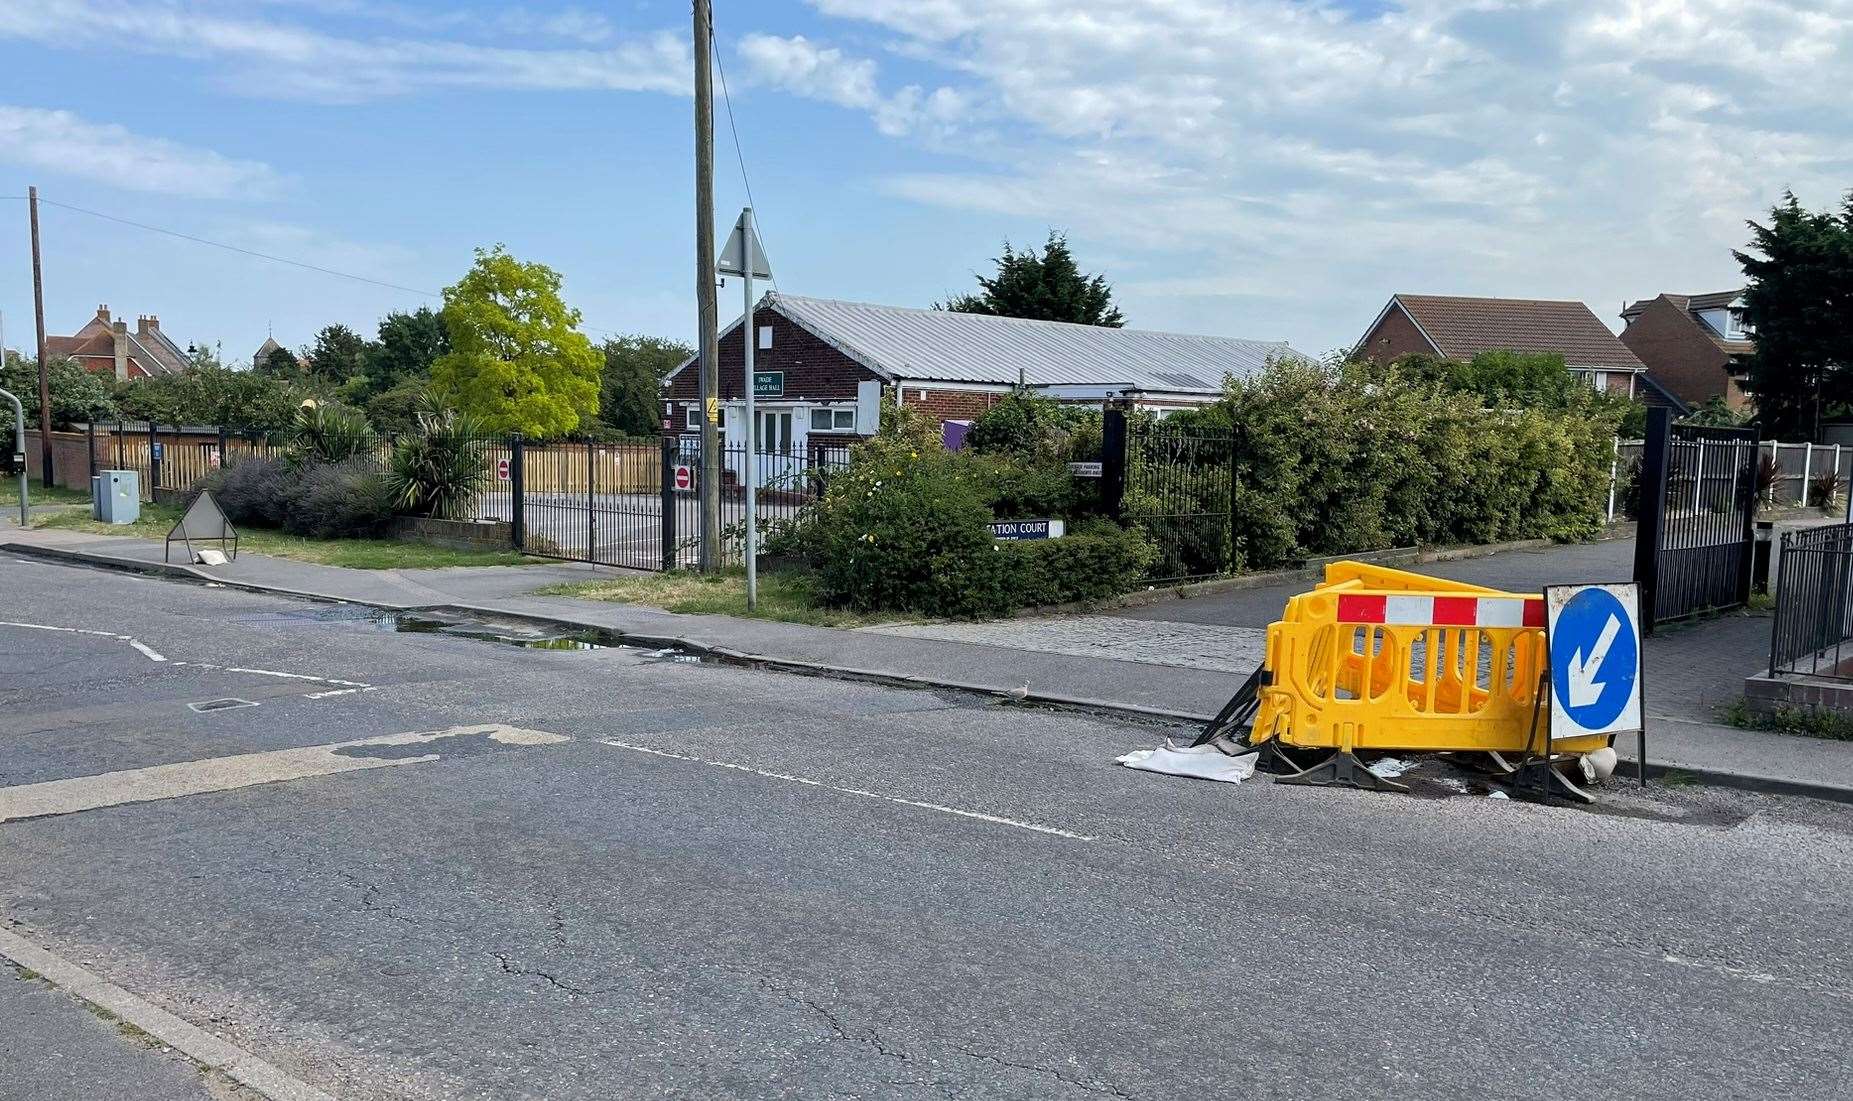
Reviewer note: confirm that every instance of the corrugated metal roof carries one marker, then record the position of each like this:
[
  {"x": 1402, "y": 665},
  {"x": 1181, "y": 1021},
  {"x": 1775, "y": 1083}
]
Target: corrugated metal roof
[{"x": 941, "y": 346}]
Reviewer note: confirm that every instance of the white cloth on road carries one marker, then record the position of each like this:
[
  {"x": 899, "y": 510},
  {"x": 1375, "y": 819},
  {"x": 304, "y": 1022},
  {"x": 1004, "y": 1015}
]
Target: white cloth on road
[{"x": 1203, "y": 762}]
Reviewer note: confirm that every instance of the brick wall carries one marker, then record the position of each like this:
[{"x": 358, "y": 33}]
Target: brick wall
[
  {"x": 1394, "y": 337},
  {"x": 949, "y": 405},
  {"x": 70, "y": 457},
  {"x": 1679, "y": 355},
  {"x": 814, "y": 371}
]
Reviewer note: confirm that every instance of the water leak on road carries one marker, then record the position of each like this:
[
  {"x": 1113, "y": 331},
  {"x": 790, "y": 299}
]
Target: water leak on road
[{"x": 501, "y": 631}]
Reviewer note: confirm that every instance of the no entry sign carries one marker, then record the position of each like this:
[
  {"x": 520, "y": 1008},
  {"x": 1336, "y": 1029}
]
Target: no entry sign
[
  {"x": 685, "y": 477},
  {"x": 501, "y": 470}
]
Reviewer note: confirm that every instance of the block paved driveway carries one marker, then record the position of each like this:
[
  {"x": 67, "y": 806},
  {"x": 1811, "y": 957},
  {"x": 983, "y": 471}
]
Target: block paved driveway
[{"x": 417, "y": 865}]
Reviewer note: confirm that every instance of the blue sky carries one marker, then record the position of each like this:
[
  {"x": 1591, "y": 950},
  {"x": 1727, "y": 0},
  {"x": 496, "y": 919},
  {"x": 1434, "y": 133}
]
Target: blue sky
[{"x": 1261, "y": 168}]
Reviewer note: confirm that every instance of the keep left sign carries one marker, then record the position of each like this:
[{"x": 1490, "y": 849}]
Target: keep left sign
[{"x": 1595, "y": 641}]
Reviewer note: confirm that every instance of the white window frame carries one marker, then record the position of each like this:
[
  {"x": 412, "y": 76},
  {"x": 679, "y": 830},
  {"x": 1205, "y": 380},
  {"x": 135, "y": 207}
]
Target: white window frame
[
  {"x": 1735, "y": 326},
  {"x": 765, "y": 337},
  {"x": 691, "y": 418},
  {"x": 842, "y": 419}
]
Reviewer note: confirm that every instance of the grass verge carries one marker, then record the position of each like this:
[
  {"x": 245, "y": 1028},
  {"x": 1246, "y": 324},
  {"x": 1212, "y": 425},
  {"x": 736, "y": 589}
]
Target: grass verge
[
  {"x": 39, "y": 495},
  {"x": 354, "y": 554},
  {"x": 1806, "y": 722},
  {"x": 783, "y": 596}
]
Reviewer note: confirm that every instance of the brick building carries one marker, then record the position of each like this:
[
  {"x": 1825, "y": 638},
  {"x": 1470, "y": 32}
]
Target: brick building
[
  {"x": 1460, "y": 328},
  {"x": 107, "y": 346},
  {"x": 823, "y": 366},
  {"x": 1696, "y": 345}
]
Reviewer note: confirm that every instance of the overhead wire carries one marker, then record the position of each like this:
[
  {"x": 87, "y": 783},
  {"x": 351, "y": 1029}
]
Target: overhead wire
[
  {"x": 733, "y": 127},
  {"x": 254, "y": 254}
]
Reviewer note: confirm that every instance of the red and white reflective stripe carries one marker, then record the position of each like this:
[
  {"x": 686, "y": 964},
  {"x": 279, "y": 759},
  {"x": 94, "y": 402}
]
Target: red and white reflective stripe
[{"x": 1443, "y": 611}]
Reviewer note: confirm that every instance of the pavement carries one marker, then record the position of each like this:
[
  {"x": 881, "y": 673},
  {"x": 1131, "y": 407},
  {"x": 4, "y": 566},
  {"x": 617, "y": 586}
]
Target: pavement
[
  {"x": 421, "y": 865},
  {"x": 1172, "y": 659}
]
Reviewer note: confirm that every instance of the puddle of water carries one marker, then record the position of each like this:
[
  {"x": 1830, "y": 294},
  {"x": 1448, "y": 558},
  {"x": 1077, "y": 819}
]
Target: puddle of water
[
  {"x": 524, "y": 635},
  {"x": 518, "y": 633},
  {"x": 506, "y": 633}
]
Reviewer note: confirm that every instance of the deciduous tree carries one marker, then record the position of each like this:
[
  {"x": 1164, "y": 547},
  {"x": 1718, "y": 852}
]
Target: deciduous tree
[
  {"x": 517, "y": 360},
  {"x": 631, "y": 389}
]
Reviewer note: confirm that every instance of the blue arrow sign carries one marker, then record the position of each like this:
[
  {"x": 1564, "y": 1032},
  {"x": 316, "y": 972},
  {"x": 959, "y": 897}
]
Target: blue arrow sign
[{"x": 1595, "y": 659}]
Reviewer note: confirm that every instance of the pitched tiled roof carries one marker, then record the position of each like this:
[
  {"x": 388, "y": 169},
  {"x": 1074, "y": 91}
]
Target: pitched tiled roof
[
  {"x": 1693, "y": 305},
  {"x": 1717, "y": 300},
  {"x": 1463, "y": 327}
]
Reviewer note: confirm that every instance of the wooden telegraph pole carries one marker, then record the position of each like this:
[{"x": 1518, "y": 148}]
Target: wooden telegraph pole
[
  {"x": 38, "y": 311},
  {"x": 704, "y": 291}
]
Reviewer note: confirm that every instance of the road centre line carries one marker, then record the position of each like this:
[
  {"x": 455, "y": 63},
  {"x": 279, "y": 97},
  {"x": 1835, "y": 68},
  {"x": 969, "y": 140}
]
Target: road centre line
[
  {"x": 213, "y": 774},
  {"x": 941, "y": 808},
  {"x": 345, "y": 686}
]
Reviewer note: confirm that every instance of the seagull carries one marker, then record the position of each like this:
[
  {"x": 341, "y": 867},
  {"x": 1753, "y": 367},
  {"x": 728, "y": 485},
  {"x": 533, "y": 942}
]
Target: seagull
[{"x": 1019, "y": 694}]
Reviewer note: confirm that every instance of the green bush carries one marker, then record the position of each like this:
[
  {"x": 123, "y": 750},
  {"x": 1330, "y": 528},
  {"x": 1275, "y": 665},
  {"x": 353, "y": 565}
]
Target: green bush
[
  {"x": 1098, "y": 560},
  {"x": 252, "y": 492},
  {"x": 1334, "y": 459},
  {"x": 340, "y": 501},
  {"x": 319, "y": 500},
  {"x": 906, "y": 529}
]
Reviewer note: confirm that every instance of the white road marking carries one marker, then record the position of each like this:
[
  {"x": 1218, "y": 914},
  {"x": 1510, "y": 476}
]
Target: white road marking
[
  {"x": 142, "y": 785},
  {"x": 147, "y": 652},
  {"x": 195, "y": 1043},
  {"x": 992, "y": 818},
  {"x": 345, "y": 686}
]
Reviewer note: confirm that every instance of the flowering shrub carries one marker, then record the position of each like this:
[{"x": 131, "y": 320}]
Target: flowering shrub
[{"x": 905, "y": 529}]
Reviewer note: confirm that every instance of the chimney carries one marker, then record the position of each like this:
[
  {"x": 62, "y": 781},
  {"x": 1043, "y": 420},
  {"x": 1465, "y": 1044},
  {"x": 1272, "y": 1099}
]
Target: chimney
[
  {"x": 120, "y": 330},
  {"x": 147, "y": 323},
  {"x": 103, "y": 314}
]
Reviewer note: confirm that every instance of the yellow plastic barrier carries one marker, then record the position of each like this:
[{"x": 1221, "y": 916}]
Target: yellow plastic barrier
[{"x": 1381, "y": 659}]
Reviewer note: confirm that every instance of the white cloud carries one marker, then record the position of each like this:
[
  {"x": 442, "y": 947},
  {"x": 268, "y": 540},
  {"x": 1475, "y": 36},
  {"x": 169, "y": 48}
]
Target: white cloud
[
  {"x": 272, "y": 57},
  {"x": 61, "y": 142},
  {"x": 1596, "y": 149},
  {"x": 801, "y": 67}
]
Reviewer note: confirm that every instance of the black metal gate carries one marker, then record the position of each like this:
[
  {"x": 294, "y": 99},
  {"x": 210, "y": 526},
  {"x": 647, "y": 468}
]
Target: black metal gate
[
  {"x": 1697, "y": 533},
  {"x": 1813, "y": 632},
  {"x": 1178, "y": 484},
  {"x": 614, "y": 502},
  {"x": 636, "y": 503}
]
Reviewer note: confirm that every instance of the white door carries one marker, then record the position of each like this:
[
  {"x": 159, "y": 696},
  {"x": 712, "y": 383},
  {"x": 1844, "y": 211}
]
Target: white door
[{"x": 778, "y": 463}]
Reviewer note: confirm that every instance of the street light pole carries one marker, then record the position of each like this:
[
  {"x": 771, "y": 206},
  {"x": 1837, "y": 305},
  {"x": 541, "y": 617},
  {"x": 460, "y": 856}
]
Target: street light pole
[{"x": 706, "y": 306}]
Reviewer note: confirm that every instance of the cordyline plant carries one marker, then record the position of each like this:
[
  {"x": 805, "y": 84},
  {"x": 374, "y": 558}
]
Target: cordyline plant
[
  {"x": 439, "y": 469},
  {"x": 332, "y": 434}
]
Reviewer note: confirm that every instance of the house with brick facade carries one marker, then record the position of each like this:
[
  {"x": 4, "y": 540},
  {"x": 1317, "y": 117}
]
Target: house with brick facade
[
  {"x": 822, "y": 367},
  {"x": 1455, "y": 327},
  {"x": 1696, "y": 345},
  {"x": 106, "y": 346}
]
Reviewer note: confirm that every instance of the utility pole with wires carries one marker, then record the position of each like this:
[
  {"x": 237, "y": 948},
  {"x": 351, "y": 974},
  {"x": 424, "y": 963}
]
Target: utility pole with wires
[
  {"x": 706, "y": 306},
  {"x": 38, "y": 311}
]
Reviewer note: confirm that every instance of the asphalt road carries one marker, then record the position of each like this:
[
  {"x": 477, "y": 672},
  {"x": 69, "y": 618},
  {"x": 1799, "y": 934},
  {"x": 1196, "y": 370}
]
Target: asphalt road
[{"x": 735, "y": 883}]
